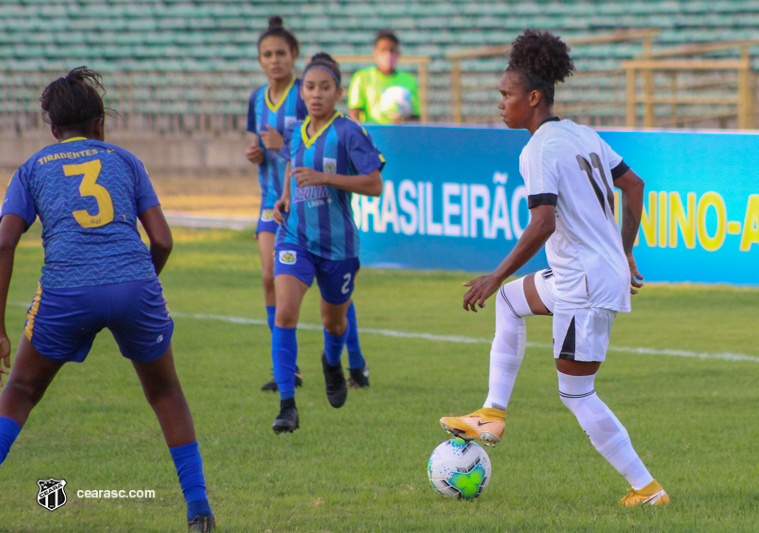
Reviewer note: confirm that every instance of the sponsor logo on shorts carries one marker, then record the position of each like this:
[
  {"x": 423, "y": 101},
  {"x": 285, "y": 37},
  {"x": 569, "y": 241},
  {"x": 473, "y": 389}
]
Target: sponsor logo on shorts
[
  {"x": 159, "y": 339},
  {"x": 51, "y": 495},
  {"x": 267, "y": 215},
  {"x": 288, "y": 257},
  {"x": 329, "y": 165}
]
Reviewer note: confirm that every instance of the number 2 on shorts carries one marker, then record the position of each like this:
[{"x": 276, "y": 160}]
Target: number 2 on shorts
[
  {"x": 88, "y": 187},
  {"x": 347, "y": 277}
]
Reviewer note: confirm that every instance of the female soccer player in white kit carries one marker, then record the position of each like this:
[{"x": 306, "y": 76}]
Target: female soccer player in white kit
[{"x": 569, "y": 172}]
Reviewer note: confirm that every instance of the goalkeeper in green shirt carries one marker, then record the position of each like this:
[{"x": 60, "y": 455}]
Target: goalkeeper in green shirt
[{"x": 382, "y": 94}]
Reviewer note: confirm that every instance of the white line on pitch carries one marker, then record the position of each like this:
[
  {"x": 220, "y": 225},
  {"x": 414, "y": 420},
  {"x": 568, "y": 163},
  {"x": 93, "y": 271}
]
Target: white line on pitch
[{"x": 474, "y": 340}]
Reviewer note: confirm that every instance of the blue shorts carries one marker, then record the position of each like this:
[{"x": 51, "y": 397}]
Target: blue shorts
[
  {"x": 336, "y": 279},
  {"x": 62, "y": 323},
  {"x": 266, "y": 222}
]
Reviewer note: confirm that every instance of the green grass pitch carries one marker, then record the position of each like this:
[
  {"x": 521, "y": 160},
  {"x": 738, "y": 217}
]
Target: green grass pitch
[{"x": 362, "y": 467}]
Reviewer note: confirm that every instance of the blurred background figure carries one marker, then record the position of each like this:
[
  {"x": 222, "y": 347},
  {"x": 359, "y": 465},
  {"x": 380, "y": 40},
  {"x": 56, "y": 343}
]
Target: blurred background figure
[{"x": 382, "y": 94}]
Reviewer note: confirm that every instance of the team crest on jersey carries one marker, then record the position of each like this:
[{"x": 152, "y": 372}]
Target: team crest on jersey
[
  {"x": 51, "y": 495},
  {"x": 267, "y": 215},
  {"x": 289, "y": 120},
  {"x": 288, "y": 257},
  {"x": 329, "y": 165}
]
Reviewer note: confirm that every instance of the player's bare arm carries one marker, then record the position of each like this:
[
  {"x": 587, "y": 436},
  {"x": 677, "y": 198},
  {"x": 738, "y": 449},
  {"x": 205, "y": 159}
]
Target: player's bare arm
[
  {"x": 632, "y": 188},
  {"x": 11, "y": 229},
  {"x": 542, "y": 225},
  {"x": 367, "y": 184},
  {"x": 283, "y": 204},
  {"x": 159, "y": 235}
]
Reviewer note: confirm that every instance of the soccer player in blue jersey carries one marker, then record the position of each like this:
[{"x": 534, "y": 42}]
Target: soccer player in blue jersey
[
  {"x": 88, "y": 195},
  {"x": 329, "y": 158},
  {"x": 272, "y": 108}
]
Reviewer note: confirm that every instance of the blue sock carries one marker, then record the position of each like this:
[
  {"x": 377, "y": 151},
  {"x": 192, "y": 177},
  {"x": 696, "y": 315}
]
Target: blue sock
[
  {"x": 333, "y": 346},
  {"x": 271, "y": 310},
  {"x": 9, "y": 430},
  {"x": 355, "y": 357},
  {"x": 284, "y": 354},
  {"x": 190, "y": 470}
]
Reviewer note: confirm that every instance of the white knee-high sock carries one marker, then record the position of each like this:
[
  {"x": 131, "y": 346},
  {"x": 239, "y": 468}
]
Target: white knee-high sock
[
  {"x": 507, "y": 350},
  {"x": 606, "y": 432}
]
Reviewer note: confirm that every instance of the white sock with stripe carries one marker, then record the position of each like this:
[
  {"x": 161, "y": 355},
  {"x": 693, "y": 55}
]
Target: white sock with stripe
[
  {"x": 606, "y": 432},
  {"x": 507, "y": 350}
]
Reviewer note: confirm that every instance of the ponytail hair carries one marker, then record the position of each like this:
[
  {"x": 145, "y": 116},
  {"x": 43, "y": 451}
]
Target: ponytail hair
[
  {"x": 277, "y": 29},
  {"x": 324, "y": 61},
  {"x": 74, "y": 101}
]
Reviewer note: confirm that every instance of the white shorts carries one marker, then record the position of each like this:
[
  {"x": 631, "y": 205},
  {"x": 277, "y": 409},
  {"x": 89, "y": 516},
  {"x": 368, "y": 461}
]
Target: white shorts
[
  {"x": 544, "y": 284},
  {"x": 582, "y": 334}
]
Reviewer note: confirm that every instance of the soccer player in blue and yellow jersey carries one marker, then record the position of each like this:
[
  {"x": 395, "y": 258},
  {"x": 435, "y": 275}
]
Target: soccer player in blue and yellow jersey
[
  {"x": 329, "y": 158},
  {"x": 272, "y": 108},
  {"x": 88, "y": 195}
]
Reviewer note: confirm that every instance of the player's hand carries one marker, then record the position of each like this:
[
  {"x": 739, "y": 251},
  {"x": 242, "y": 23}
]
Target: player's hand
[
  {"x": 272, "y": 139},
  {"x": 480, "y": 290},
  {"x": 255, "y": 153},
  {"x": 305, "y": 177},
  {"x": 281, "y": 206},
  {"x": 635, "y": 276},
  {"x": 5, "y": 356}
]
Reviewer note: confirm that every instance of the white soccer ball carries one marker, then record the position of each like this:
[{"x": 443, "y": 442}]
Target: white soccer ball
[
  {"x": 395, "y": 103},
  {"x": 459, "y": 469}
]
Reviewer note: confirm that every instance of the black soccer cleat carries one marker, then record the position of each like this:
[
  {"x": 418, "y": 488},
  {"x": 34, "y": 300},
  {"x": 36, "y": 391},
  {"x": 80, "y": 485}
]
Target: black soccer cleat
[
  {"x": 288, "y": 419},
  {"x": 272, "y": 385},
  {"x": 201, "y": 524},
  {"x": 334, "y": 378},
  {"x": 359, "y": 378}
]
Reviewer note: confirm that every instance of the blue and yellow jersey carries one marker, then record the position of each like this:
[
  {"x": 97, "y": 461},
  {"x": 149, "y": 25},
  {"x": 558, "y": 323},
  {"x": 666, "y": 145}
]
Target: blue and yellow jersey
[
  {"x": 321, "y": 217},
  {"x": 261, "y": 113},
  {"x": 87, "y": 195}
]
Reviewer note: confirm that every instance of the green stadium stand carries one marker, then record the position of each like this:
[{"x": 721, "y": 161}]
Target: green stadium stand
[{"x": 187, "y": 36}]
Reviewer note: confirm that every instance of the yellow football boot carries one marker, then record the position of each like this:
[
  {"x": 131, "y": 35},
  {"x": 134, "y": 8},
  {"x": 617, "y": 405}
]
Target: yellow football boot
[
  {"x": 486, "y": 424},
  {"x": 651, "y": 494}
]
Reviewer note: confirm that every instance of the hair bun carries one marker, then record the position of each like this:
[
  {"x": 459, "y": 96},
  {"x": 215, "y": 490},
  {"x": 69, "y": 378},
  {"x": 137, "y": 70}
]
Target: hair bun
[{"x": 275, "y": 21}]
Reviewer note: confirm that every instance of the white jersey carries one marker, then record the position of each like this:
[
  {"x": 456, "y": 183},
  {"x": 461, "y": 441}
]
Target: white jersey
[{"x": 570, "y": 166}]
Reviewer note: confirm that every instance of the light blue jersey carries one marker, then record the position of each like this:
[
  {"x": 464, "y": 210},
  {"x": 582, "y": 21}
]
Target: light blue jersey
[
  {"x": 321, "y": 218},
  {"x": 261, "y": 113},
  {"x": 88, "y": 195}
]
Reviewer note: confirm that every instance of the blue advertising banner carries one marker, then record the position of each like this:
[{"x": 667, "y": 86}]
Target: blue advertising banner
[{"x": 454, "y": 200}]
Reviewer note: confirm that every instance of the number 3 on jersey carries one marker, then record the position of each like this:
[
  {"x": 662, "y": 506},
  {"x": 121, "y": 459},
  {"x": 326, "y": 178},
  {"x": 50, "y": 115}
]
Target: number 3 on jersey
[{"x": 88, "y": 187}]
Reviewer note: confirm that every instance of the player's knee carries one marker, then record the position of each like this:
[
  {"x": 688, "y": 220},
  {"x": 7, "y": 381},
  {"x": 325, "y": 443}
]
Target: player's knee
[
  {"x": 161, "y": 390},
  {"x": 28, "y": 390},
  {"x": 286, "y": 316},
  {"x": 511, "y": 303},
  {"x": 574, "y": 391},
  {"x": 268, "y": 278},
  {"x": 334, "y": 327}
]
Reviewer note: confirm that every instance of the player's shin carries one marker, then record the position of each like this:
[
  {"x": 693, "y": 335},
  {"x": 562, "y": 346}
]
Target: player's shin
[
  {"x": 9, "y": 430},
  {"x": 507, "y": 350},
  {"x": 355, "y": 357},
  {"x": 284, "y": 353},
  {"x": 333, "y": 346},
  {"x": 189, "y": 467},
  {"x": 606, "y": 432}
]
